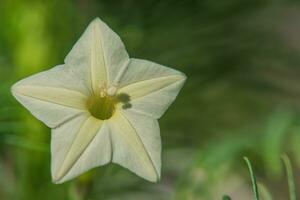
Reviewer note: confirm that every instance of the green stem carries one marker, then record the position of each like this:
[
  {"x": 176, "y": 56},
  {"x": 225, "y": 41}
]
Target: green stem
[
  {"x": 253, "y": 179},
  {"x": 290, "y": 176}
]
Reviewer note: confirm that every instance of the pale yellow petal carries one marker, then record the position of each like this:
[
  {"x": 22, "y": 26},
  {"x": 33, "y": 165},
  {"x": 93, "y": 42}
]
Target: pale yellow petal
[
  {"x": 53, "y": 96},
  {"x": 98, "y": 66},
  {"x": 60, "y": 96},
  {"x": 85, "y": 133},
  {"x": 148, "y": 131},
  {"x": 143, "y": 88},
  {"x": 150, "y": 87},
  {"x": 101, "y": 52},
  {"x": 129, "y": 150}
]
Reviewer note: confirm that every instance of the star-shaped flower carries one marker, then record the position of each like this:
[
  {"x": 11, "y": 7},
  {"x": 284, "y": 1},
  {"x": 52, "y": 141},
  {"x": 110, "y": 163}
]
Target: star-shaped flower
[{"x": 102, "y": 106}]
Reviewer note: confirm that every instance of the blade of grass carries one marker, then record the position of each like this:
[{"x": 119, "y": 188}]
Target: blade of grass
[
  {"x": 253, "y": 179},
  {"x": 264, "y": 192},
  {"x": 277, "y": 127},
  {"x": 290, "y": 176}
]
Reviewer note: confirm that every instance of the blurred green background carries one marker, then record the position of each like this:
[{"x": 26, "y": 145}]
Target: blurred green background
[{"x": 242, "y": 96}]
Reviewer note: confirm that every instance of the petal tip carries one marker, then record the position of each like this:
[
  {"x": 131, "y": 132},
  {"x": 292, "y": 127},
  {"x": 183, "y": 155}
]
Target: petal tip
[
  {"x": 14, "y": 89},
  {"x": 183, "y": 76},
  {"x": 57, "y": 178},
  {"x": 95, "y": 21},
  {"x": 57, "y": 175},
  {"x": 154, "y": 178},
  {"x": 152, "y": 175}
]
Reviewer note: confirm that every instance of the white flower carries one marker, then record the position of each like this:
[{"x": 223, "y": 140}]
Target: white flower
[{"x": 102, "y": 106}]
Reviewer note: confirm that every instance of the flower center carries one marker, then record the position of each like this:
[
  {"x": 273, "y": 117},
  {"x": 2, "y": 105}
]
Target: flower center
[{"x": 102, "y": 106}]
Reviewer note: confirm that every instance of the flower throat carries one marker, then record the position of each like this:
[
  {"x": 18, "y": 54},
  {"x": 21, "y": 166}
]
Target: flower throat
[{"x": 101, "y": 107}]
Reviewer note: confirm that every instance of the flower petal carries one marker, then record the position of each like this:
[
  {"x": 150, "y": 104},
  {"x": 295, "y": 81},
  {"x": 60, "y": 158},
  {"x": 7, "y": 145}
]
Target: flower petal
[
  {"x": 136, "y": 144},
  {"x": 99, "y": 51},
  {"x": 78, "y": 146},
  {"x": 51, "y": 96},
  {"x": 151, "y": 87},
  {"x": 60, "y": 96}
]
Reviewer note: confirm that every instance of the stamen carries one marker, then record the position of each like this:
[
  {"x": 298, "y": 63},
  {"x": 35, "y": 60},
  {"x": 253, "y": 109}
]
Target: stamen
[
  {"x": 102, "y": 94},
  {"x": 112, "y": 90}
]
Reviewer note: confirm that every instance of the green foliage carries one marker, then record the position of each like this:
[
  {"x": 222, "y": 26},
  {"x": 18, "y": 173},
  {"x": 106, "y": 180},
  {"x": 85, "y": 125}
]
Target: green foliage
[
  {"x": 276, "y": 130},
  {"x": 241, "y": 96},
  {"x": 265, "y": 194}
]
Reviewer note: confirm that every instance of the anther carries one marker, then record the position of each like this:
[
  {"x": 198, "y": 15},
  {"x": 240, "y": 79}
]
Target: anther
[
  {"x": 102, "y": 93},
  {"x": 112, "y": 90}
]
